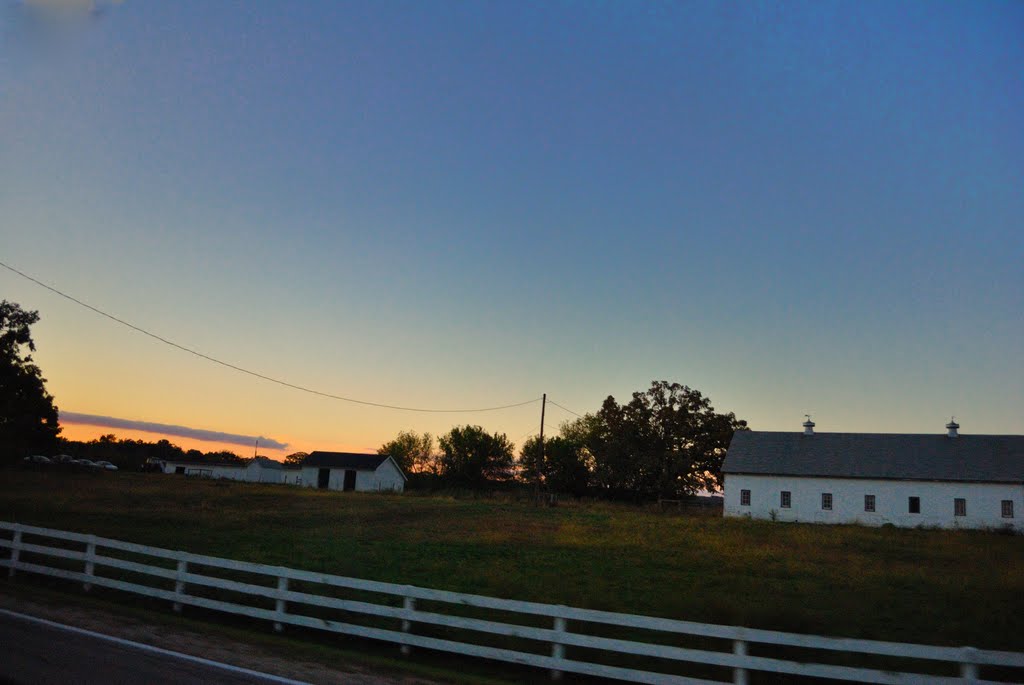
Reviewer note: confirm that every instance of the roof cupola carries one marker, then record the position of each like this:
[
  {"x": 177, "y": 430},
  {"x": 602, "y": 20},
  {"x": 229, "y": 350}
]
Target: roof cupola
[
  {"x": 952, "y": 427},
  {"x": 808, "y": 425}
]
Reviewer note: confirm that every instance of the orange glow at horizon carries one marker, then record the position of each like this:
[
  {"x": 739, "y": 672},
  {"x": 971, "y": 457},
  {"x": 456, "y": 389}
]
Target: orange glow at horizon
[{"x": 86, "y": 432}]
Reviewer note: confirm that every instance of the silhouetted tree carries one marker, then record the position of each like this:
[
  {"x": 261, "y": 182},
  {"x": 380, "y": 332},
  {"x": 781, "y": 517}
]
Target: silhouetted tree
[
  {"x": 472, "y": 456},
  {"x": 413, "y": 452},
  {"x": 28, "y": 417},
  {"x": 667, "y": 441},
  {"x": 295, "y": 458},
  {"x": 564, "y": 467}
]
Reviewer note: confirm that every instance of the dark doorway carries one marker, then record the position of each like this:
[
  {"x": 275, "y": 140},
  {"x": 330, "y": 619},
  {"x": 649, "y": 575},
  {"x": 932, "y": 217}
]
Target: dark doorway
[
  {"x": 323, "y": 478},
  {"x": 179, "y": 469},
  {"x": 350, "y": 481}
]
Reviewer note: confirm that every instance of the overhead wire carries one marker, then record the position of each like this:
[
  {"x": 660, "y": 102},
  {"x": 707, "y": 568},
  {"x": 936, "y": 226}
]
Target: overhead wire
[
  {"x": 551, "y": 401},
  {"x": 255, "y": 374}
]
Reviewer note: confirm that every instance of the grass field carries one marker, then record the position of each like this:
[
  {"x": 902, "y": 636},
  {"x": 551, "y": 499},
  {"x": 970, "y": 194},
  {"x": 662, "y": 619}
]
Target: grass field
[{"x": 940, "y": 587}]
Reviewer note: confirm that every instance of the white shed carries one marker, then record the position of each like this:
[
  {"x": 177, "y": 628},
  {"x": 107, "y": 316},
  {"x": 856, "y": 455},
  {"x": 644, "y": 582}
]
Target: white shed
[
  {"x": 263, "y": 470},
  {"x": 348, "y": 471},
  {"x": 291, "y": 474},
  {"x": 206, "y": 469},
  {"x": 256, "y": 470},
  {"x": 948, "y": 481}
]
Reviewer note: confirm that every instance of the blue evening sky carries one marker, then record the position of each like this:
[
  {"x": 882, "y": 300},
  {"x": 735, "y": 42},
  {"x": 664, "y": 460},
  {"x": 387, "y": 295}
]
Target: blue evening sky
[{"x": 797, "y": 207}]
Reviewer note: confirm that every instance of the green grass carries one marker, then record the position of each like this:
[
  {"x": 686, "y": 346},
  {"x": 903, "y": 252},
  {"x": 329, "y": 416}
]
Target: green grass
[{"x": 927, "y": 586}]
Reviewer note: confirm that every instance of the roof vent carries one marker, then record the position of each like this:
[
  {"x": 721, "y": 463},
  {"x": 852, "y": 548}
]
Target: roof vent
[
  {"x": 808, "y": 425},
  {"x": 952, "y": 427}
]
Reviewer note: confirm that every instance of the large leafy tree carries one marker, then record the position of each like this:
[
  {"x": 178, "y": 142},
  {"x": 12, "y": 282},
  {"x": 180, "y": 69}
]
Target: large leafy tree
[
  {"x": 295, "y": 458},
  {"x": 563, "y": 467},
  {"x": 413, "y": 452},
  {"x": 473, "y": 457},
  {"x": 666, "y": 441},
  {"x": 28, "y": 417}
]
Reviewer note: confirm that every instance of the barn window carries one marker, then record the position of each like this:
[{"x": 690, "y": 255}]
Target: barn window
[
  {"x": 826, "y": 500},
  {"x": 914, "y": 505},
  {"x": 869, "y": 502},
  {"x": 959, "y": 506},
  {"x": 785, "y": 499},
  {"x": 744, "y": 498},
  {"x": 1007, "y": 508}
]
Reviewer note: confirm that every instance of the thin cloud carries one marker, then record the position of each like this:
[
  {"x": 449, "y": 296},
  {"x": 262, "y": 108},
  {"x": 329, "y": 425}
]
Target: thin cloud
[{"x": 170, "y": 429}]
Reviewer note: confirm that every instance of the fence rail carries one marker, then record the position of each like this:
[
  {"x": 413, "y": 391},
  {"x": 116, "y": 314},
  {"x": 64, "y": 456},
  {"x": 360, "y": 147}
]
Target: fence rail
[{"x": 179, "y": 572}]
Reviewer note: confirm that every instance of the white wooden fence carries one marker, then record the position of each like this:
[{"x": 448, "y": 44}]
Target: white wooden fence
[{"x": 27, "y": 553}]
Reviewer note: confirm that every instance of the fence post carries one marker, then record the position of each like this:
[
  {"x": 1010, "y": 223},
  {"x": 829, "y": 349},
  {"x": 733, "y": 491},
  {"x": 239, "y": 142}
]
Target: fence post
[
  {"x": 179, "y": 583},
  {"x": 409, "y": 604},
  {"x": 90, "y": 564},
  {"x": 557, "y": 648},
  {"x": 15, "y": 549},
  {"x": 739, "y": 674},
  {"x": 968, "y": 664},
  {"x": 281, "y": 606}
]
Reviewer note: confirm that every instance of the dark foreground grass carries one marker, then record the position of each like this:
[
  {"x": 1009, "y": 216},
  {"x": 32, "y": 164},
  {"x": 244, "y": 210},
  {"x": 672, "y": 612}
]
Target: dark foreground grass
[{"x": 927, "y": 586}]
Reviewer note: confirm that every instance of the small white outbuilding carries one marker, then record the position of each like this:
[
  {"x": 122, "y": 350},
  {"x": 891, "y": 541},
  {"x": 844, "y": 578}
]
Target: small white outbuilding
[
  {"x": 348, "y": 471},
  {"x": 255, "y": 470},
  {"x": 264, "y": 470},
  {"x": 947, "y": 481}
]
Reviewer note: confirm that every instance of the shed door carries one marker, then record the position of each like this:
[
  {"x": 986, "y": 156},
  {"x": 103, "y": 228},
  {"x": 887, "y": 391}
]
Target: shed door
[
  {"x": 323, "y": 478},
  {"x": 350, "y": 480}
]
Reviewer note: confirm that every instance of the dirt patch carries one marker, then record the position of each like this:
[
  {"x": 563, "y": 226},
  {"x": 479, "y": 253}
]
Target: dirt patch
[{"x": 225, "y": 650}]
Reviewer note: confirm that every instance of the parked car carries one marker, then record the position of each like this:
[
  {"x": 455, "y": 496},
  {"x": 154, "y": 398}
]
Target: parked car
[
  {"x": 63, "y": 459},
  {"x": 106, "y": 465},
  {"x": 86, "y": 463},
  {"x": 37, "y": 459}
]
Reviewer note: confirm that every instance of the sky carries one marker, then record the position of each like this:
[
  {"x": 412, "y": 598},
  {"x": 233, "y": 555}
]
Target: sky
[{"x": 795, "y": 208}]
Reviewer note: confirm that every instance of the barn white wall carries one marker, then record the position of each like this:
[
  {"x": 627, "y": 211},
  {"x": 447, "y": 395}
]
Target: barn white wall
[
  {"x": 257, "y": 473},
  {"x": 891, "y": 501},
  {"x": 208, "y": 471},
  {"x": 385, "y": 478}
]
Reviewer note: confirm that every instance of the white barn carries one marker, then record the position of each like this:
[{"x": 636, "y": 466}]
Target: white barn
[
  {"x": 264, "y": 470},
  {"x": 292, "y": 474},
  {"x": 947, "y": 481},
  {"x": 348, "y": 471},
  {"x": 256, "y": 470},
  {"x": 205, "y": 469}
]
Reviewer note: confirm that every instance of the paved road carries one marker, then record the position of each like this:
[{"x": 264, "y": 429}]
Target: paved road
[{"x": 41, "y": 652}]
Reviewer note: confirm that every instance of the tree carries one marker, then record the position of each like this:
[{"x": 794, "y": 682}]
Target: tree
[
  {"x": 295, "y": 458},
  {"x": 564, "y": 468},
  {"x": 667, "y": 441},
  {"x": 226, "y": 456},
  {"x": 414, "y": 453},
  {"x": 28, "y": 417},
  {"x": 472, "y": 456}
]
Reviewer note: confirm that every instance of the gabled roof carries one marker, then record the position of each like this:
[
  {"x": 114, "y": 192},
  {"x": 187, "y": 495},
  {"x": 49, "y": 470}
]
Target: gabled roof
[
  {"x": 266, "y": 463},
  {"x": 896, "y": 456},
  {"x": 345, "y": 460}
]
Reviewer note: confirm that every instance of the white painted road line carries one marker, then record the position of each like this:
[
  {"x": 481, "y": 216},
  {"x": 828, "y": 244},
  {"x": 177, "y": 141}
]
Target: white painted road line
[{"x": 154, "y": 650}]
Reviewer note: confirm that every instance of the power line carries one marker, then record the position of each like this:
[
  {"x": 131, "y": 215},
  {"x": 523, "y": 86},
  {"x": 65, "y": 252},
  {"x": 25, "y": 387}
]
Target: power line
[
  {"x": 551, "y": 401},
  {"x": 254, "y": 373}
]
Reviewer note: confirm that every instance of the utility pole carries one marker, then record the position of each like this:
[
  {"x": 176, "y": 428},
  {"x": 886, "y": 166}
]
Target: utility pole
[
  {"x": 256, "y": 449},
  {"x": 540, "y": 464},
  {"x": 543, "y": 404}
]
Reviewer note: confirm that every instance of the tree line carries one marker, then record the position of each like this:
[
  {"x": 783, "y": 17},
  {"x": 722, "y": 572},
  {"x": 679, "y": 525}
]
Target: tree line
[{"x": 666, "y": 441}]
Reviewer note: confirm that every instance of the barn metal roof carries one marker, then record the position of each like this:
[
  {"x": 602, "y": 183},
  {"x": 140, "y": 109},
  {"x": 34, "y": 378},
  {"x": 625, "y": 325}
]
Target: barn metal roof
[
  {"x": 896, "y": 456},
  {"x": 345, "y": 460}
]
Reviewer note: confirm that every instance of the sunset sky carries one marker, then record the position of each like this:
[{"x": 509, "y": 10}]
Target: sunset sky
[{"x": 797, "y": 208}]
